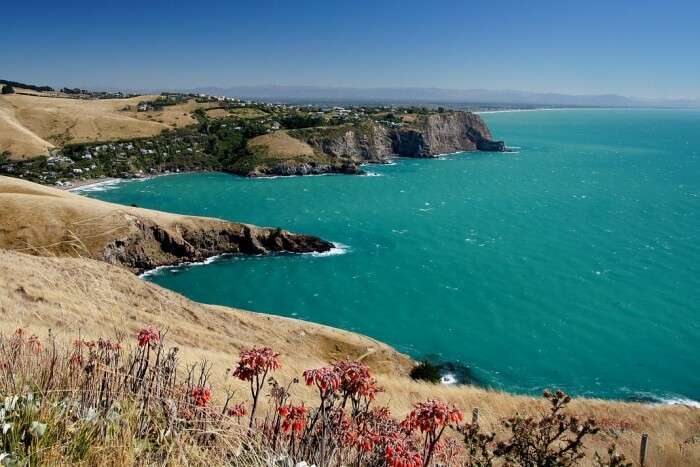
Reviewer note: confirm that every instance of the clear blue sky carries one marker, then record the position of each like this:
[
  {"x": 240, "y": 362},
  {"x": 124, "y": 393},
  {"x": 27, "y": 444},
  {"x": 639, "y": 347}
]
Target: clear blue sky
[{"x": 641, "y": 48}]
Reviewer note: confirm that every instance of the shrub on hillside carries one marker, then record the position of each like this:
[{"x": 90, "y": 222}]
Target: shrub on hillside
[
  {"x": 103, "y": 401},
  {"x": 426, "y": 371}
]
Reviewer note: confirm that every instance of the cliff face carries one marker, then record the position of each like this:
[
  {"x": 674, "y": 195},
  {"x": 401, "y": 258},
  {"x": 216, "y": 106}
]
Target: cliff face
[
  {"x": 427, "y": 136},
  {"x": 368, "y": 141},
  {"x": 444, "y": 133}
]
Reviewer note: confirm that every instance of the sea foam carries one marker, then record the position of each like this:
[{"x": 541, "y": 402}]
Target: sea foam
[{"x": 338, "y": 249}]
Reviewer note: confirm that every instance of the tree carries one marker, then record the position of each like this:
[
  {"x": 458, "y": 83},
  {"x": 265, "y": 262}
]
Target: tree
[{"x": 7, "y": 89}]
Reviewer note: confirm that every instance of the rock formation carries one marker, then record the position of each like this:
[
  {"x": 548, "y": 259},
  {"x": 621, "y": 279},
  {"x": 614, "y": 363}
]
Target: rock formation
[
  {"x": 347, "y": 146},
  {"x": 50, "y": 222}
]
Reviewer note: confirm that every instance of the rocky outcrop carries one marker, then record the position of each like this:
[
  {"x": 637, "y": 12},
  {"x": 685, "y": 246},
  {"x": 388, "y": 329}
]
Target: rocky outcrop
[
  {"x": 46, "y": 221},
  {"x": 305, "y": 168},
  {"x": 426, "y": 136},
  {"x": 366, "y": 141},
  {"x": 442, "y": 133},
  {"x": 151, "y": 245}
]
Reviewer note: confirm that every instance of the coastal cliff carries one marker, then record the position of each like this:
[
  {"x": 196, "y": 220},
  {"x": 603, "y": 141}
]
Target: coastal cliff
[
  {"x": 343, "y": 148},
  {"x": 442, "y": 133},
  {"x": 47, "y": 221}
]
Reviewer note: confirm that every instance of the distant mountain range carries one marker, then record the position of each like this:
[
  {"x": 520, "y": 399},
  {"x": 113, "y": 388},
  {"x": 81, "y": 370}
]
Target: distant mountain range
[{"x": 420, "y": 95}]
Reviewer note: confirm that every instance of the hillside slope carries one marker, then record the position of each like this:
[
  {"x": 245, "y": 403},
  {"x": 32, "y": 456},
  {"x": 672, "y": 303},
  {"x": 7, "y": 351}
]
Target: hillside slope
[
  {"x": 30, "y": 125},
  {"x": 72, "y": 295},
  {"x": 47, "y": 221}
]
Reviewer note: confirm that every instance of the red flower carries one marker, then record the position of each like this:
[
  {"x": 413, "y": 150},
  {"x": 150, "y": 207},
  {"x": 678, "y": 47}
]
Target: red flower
[
  {"x": 75, "y": 360},
  {"x": 293, "y": 418},
  {"x": 256, "y": 361},
  {"x": 431, "y": 415},
  {"x": 78, "y": 343},
  {"x": 237, "y": 410},
  {"x": 368, "y": 430},
  {"x": 356, "y": 379},
  {"x": 400, "y": 453},
  {"x": 106, "y": 344},
  {"x": 327, "y": 379},
  {"x": 148, "y": 335},
  {"x": 201, "y": 396}
]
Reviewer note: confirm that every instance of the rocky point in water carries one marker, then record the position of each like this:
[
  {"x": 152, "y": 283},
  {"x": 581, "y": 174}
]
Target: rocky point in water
[{"x": 344, "y": 148}]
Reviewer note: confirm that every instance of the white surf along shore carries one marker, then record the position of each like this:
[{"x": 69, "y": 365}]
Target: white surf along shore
[{"x": 338, "y": 249}]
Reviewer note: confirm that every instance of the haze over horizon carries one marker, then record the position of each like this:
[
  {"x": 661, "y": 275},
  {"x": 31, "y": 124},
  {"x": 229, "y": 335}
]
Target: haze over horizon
[{"x": 602, "y": 48}]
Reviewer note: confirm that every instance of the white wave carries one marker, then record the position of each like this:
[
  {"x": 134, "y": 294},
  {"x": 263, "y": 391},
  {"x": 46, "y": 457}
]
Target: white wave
[
  {"x": 448, "y": 378},
  {"x": 97, "y": 186},
  {"x": 373, "y": 174},
  {"x": 441, "y": 156},
  {"x": 338, "y": 249},
  {"x": 176, "y": 267},
  {"x": 272, "y": 177},
  {"x": 679, "y": 401}
]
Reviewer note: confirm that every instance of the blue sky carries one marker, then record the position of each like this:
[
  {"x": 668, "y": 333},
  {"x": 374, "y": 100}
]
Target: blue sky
[{"x": 640, "y": 48}]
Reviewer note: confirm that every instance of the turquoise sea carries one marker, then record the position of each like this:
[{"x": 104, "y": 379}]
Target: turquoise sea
[{"x": 573, "y": 263}]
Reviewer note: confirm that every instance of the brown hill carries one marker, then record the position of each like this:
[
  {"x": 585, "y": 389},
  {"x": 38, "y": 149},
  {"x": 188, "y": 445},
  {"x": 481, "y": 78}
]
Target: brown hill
[
  {"x": 47, "y": 221},
  {"x": 32, "y": 123}
]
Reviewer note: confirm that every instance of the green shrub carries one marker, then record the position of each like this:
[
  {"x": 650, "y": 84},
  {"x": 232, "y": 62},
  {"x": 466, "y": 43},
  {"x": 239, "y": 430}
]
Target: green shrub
[{"x": 426, "y": 371}]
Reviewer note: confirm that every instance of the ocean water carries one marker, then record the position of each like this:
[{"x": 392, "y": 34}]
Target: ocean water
[{"x": 571, "y": 263}]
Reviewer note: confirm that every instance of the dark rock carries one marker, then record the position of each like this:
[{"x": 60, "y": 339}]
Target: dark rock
[{"x": 152, "y": 245}]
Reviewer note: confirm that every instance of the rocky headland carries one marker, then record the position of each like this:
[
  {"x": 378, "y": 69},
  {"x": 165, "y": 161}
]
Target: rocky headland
[
  {"x": 50, "y": 222},
  {"x": 344, "y": 148}
]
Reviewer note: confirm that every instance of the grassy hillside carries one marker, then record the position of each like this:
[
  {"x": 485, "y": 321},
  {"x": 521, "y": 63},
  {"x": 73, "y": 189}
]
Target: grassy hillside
[
  {"x": 32, "y": 123},
  {"x": 47, "y": 221},
  {"x": 272, "y": 149},
  {"x": 72, "y": 296}
]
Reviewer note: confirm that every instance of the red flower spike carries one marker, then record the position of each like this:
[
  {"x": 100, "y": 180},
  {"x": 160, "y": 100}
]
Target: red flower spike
[
  {"x": 148, "y": 335},
  {"x": 326, "y": 379},
  {"x": 237, "y": 410},
  {"x": 201, "y": 396},
  {"x": 293, "y": 418},
  {"x": 431, "y": 415},
  {"x": 256, "y": 361}
]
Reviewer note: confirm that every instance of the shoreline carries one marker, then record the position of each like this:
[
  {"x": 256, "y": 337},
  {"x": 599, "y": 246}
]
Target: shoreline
[
  {"x": 658, "y": 399},
  {"x": 88, "y": 183},
  {"x": 337, "y": 250}
]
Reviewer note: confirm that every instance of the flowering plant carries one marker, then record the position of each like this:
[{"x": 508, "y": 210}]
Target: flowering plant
[{"x": 148, "y": 335}]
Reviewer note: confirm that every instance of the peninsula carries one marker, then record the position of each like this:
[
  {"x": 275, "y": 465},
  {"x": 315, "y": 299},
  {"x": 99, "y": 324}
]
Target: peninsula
[{"x": 63, "y": 137}]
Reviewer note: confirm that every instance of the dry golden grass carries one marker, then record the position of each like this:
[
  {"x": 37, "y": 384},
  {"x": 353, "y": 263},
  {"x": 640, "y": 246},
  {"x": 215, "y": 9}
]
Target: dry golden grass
[
  {"x": 280, "y": 145},
  {"x": 247, "y": 112},
  {"x": 46, "y": 221},
  {"x": 71, "y": 295},
  {"x": 172, "y": 116},
  {"x": 218, "y": 113},
  {"x": 30, "y": 125}
]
